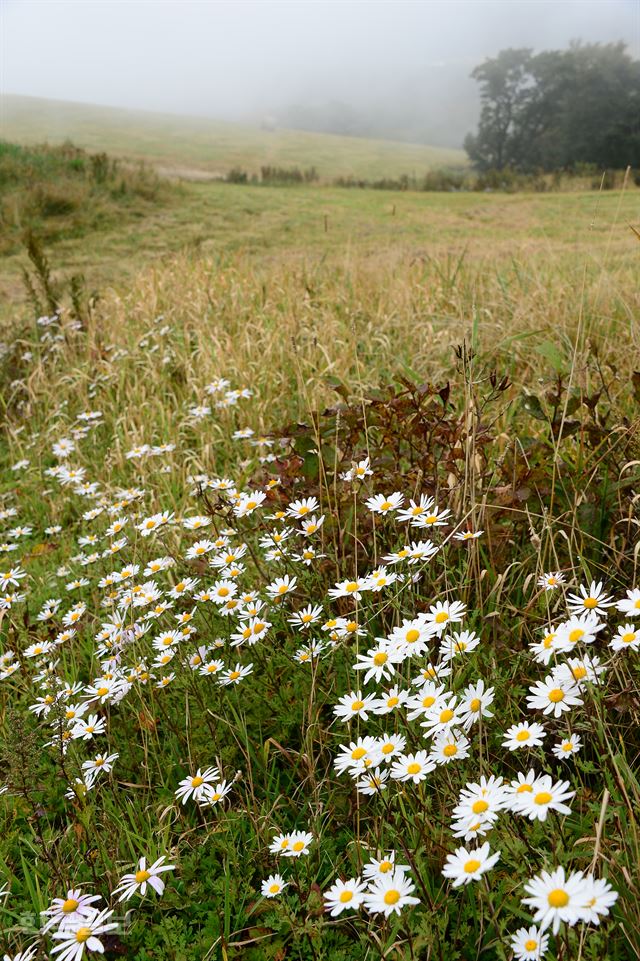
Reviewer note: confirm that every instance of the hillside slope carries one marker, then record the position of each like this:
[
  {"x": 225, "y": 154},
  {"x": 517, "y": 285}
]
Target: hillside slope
[{"x": 188, "y": 145}]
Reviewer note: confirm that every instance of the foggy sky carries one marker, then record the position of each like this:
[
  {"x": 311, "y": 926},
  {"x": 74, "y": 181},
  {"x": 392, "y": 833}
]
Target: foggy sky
[{"x": 234, "y": 60}]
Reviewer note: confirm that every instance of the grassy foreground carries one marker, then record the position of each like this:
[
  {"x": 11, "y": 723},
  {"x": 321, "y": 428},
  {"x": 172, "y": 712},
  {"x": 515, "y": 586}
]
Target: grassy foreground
[{"x": 192, "y": 583}]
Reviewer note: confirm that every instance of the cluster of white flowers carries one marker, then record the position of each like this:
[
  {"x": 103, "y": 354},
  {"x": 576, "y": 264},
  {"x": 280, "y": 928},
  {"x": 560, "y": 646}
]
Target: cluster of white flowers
[{"x": 201, "y": 596}]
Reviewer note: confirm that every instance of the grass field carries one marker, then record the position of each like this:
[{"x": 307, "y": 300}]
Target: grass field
[
  {"x": 186, "y": 146},
  {"x": 189, "y": 673},
  {"x": 294, "y": 224}
]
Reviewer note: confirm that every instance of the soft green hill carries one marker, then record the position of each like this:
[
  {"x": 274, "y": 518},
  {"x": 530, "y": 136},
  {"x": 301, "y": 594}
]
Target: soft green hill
[{"x": 190, "y": 146}]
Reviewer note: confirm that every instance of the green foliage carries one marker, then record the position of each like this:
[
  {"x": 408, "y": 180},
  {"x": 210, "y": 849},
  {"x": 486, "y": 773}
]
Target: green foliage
[
  {"x": 63, "y": 191},
  {"x": 270, "y": 174},
  {"x": 343, "y": 368},
  {"x": 558, "y": 109}
]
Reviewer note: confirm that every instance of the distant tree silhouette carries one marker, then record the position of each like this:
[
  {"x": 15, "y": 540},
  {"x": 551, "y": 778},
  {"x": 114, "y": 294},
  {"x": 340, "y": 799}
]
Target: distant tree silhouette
[{"x": 558, "y": 109}]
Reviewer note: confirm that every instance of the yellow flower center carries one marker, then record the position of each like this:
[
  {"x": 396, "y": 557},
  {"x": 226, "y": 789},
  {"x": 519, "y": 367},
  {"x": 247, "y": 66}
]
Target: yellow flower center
[
  {"x": 450, "y": 750},
  {"x": 522, "y": 736},
  {"x": 475, "y": 704},
  {"x": 441, "y": 617},
  {"x": 556, "y": 695},
  {"x": 357, "y": 705},
  {"x": 385, "y": 866},
  {"x": 386, "y": 505},
  {"x": 392, "y": 897},
  {"x": 69, "y": 906},
  {"x": 82, "y": 935},
  {"x": 414, "y": 768},
  {"x": 530, "y": 945},
  {"x": 412, "y": 636},
  {"x": 351, "y": 587},
  {"x": 575, "y": 635},
  {"x": 358, "y": 753},
  {"x": 102, "y": 691},
  {"x": 479, "y": 806},
  {"x": 346, "y": 896},
  {"x": 579, "y": 672},
  {"x": 590, "y": 602},
  {"x": 274, "y": 888},
  {"x": 543, "y": 797},
  {"x": 298, "y": 846},
  {"x": 234, "y": 675},
  {"x": 392, "y": 701},
  {"x": 524, "y": 789},
  {"x": 197, "y": 781},
  {"x": 380, "y": 658},
  {"x": 142, "y": 876},
  {"x": 446, "y": 715},
  {"x": 472, "y": 865},
  {"x": 629, "y": 636},
  {"x": 428, "y": 701},
  {"x": 557, "y": 898},
  {"x": 387, "y": 748}
]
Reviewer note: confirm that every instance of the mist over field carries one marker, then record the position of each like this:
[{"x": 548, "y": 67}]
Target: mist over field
[{"x": 383, "y": 69}]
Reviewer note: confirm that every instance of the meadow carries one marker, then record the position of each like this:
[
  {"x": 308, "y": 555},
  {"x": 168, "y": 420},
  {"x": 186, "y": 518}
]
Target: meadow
[
  {"x": 320, "y": 618},
  {"x": 193, "y": 147}
]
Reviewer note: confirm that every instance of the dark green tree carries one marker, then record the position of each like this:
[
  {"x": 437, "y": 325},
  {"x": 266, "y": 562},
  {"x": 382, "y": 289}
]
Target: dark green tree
[
  {"x": 558, "y": 109},
  {"x": 505, "y": 89}
]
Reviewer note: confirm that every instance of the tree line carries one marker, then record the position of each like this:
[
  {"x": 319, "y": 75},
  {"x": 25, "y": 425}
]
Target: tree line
[{"x": 558, "y": 109}]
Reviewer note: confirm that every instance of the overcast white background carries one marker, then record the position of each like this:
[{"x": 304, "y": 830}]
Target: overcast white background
[{"x": 245, "y": 58}]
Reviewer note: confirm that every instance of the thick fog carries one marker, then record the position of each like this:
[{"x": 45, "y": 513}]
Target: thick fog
[{"x": 391, "y": 67}]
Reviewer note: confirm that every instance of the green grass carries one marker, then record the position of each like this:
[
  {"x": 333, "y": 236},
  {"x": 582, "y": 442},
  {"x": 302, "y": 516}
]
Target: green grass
[
  {"x": 187, "y": 145},
  {"x": 301, "y": 222},
  {"x": 480, "y": 349},
  {"x": 546, "y": 496},
  {"x": 64, "y": 192}
]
